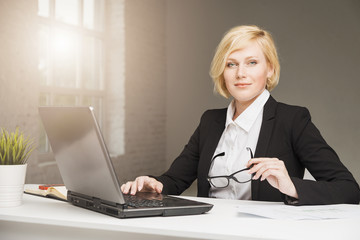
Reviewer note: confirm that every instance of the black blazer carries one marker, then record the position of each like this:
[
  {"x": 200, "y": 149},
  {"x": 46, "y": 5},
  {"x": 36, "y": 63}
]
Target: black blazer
[{"x": 286, "y": 133}]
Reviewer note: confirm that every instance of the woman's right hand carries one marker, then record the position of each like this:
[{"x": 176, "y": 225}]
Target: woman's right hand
[{"x": 142, "y": 184}]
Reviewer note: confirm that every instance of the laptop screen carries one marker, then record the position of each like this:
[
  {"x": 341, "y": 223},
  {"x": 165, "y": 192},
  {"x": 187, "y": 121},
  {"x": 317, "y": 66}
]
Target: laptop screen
[{"x": 80, "y": 152}]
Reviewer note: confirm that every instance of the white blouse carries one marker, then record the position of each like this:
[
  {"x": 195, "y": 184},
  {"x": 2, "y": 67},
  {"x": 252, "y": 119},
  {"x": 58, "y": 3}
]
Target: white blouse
[{"x": 237, "y": 136}]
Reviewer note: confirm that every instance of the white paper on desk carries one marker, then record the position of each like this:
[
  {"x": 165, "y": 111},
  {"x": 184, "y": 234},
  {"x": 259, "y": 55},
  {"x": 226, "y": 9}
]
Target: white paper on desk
[{"x": 285, "y": 212}]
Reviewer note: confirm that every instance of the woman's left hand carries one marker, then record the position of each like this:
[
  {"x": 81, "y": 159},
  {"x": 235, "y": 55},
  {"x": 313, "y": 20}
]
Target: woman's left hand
[{"x": 274, "y": 171}]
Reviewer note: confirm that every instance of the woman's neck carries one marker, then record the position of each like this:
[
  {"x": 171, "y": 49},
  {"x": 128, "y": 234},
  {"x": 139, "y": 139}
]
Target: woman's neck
[{"x": 240, "y": 107}]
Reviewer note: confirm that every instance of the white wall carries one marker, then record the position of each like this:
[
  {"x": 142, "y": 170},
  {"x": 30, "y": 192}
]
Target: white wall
[
  {"x": 318, "y": 42},
  {"x": 145, "y": 82}
]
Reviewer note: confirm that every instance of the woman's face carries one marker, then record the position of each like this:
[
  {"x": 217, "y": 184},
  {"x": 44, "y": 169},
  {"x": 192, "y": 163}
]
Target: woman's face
[{"x": 246, "y": 73}]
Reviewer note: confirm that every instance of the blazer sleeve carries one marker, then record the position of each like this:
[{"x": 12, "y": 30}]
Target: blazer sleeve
[{"x": 334, "y": 183}]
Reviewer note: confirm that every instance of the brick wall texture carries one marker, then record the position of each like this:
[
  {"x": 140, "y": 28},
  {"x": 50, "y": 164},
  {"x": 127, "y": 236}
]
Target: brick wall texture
[{"x": 136, "y": 89}]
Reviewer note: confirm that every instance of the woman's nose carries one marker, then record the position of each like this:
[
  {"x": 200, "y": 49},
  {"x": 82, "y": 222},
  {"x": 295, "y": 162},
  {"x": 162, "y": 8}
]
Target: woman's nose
[{"x": 241, "y": 72}]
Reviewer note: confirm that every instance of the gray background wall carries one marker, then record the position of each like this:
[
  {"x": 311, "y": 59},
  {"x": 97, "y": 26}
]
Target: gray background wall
[
  {"x": 165, "y": 95},
  {"x": 318, "y": 43}
]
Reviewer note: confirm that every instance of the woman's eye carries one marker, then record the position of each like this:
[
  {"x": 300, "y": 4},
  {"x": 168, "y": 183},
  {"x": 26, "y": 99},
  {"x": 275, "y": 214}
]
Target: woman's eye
[
  {"x": 231, "y": 65},
  {"x": 252, "y": 62}
]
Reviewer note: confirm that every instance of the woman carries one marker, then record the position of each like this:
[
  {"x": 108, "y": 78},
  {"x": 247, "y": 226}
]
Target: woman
[{"x": 283, "y": 138}]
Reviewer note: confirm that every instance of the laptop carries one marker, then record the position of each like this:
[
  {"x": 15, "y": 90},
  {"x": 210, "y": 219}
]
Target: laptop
[{"x": 88, "y": 173}]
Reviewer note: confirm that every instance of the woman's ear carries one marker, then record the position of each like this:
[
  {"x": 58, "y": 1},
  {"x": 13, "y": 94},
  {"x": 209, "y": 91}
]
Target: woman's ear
[{"x": 270, "y": 72}]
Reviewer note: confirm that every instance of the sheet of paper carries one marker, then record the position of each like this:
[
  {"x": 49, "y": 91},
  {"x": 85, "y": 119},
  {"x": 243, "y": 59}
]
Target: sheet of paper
[{"x": 285, "y": 212}]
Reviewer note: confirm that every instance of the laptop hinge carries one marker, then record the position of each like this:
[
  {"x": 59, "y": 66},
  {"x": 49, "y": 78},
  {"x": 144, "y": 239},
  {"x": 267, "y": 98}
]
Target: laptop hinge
[{"x": 122, "y": 206}]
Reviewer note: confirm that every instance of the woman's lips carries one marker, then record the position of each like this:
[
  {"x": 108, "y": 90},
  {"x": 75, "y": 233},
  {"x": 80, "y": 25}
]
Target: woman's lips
[{"x": 242, "y": 85}]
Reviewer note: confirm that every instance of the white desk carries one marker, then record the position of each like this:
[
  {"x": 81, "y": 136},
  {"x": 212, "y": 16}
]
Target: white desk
[{"x": 42, "y": 218}]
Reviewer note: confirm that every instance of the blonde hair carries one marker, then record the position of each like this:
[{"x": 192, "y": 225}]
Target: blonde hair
[{"x": 236, "y": 39}]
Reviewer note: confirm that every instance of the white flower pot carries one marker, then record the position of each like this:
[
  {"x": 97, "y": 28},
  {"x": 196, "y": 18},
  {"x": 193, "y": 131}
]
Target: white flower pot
[{"x": 12, "y": 179}]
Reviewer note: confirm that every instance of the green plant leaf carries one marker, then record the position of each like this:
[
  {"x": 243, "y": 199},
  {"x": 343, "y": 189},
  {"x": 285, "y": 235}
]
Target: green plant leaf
[{"x": 14, "y": 148}]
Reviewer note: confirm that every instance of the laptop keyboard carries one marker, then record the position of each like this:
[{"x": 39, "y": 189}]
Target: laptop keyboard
[{"x": 138, "y": 202}]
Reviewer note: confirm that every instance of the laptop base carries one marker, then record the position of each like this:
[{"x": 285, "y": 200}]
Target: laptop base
[{"x": 185, "y": 206}]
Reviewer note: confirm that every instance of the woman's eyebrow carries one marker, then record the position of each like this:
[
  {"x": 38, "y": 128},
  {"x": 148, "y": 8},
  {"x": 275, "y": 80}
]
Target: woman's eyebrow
[
  {"x": 246, "y": 58},
  {"x": 249, "y": 57},
  {"x": 232, "y": 59}
]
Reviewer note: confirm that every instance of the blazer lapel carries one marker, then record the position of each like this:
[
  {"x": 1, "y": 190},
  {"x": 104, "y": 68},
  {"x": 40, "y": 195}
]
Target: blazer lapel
[
  {"x": 217, "y": 128},
  {"x": 264, "y": 138}
]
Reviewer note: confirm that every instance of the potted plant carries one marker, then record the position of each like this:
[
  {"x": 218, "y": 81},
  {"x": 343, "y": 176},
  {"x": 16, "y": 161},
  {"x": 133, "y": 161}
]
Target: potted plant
[{"x": 15, "y": 150}]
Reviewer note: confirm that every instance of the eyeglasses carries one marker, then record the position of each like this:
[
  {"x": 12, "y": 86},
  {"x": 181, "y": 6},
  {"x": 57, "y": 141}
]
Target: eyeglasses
[{"x": 239, "y": 176}]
